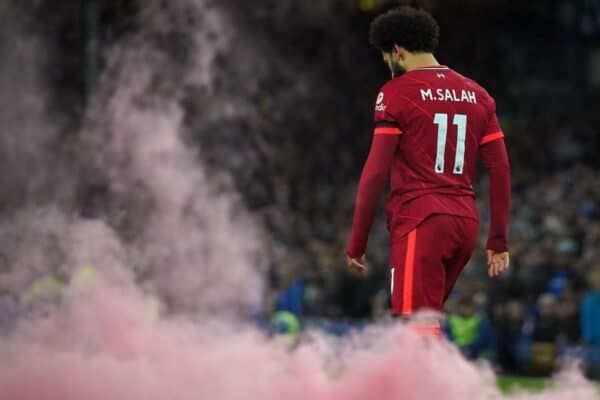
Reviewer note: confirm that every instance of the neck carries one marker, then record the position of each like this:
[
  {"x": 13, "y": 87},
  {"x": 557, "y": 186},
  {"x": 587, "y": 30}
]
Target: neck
[{"x": 421, "y": 60}]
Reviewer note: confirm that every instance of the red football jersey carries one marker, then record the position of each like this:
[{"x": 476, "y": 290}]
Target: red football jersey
[{"x": 442, "y": 118}]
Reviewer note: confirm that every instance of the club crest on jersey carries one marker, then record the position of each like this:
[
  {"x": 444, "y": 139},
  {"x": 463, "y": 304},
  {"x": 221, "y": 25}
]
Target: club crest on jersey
[{"x": 380, "y": 106}]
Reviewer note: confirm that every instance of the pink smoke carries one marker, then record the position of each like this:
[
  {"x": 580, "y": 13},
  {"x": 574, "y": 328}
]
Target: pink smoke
[{"x": 103, "y": 344}]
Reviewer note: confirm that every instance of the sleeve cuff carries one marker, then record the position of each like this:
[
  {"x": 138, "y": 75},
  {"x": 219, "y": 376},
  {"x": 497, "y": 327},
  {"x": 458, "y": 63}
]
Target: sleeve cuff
[
  {"x": 498, "y": 245},
  {"x": 353, "y": 253}
]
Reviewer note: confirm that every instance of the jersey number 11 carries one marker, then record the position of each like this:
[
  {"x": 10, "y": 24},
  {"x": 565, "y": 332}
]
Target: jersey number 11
[{"x": 441, "y": 120}]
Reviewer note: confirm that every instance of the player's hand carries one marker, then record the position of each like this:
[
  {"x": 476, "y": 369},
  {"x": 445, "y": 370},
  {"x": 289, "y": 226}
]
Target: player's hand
[
  {"x": 357, "y": 264},
  {"x": 498, "y": 262}
]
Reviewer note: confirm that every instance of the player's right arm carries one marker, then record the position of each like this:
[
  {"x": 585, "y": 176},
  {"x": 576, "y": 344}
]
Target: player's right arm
[
  {"x": 374, "y": 177},
  {"x": 495, "y": 159}
]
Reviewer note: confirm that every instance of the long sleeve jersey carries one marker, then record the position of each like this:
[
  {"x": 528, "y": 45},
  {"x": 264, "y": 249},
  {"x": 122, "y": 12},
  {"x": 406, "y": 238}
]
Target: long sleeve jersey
[{"x": 431, "y": 125}]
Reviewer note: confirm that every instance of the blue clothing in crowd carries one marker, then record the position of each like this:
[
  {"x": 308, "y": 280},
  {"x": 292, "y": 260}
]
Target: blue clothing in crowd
[
  {"x": 292, "y": 298},
  {"x": 590, "y": 318}
]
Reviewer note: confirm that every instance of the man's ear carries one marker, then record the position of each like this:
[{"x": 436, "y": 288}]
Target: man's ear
[{"x": 399, "y": 51}]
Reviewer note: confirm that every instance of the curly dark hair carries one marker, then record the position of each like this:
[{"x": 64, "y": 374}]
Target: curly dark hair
[{"x": 415, "y": 30}]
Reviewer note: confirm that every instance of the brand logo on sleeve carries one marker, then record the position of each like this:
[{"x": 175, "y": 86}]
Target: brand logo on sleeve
[{"x": 380, "y": 106}]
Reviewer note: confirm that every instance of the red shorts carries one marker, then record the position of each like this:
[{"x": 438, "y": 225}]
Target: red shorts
[{"x": 428, "y": 260}]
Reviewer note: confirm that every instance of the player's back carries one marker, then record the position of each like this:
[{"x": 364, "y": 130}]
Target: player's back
[{"x": 443, "y": 118}]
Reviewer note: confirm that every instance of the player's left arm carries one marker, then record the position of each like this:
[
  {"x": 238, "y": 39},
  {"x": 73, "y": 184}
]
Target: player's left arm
[
  {"x": 373, "y": 180},
  {"x": 495, "y": 159}
]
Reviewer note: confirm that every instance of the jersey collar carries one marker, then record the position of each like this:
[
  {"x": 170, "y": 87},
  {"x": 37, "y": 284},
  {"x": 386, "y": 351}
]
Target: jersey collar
[{"x": 432, "y": 68}]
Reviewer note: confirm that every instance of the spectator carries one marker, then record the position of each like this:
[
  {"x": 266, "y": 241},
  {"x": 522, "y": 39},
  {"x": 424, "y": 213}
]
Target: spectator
[
  {"x": 590, "y": 310},
  {"x": 470, "y": 330},
  {"x": 508, "y": 321},
  {"x": 545, "y": 334},
  {"x": 545, "y": 324},
  {"x": 567, "y": 315}
]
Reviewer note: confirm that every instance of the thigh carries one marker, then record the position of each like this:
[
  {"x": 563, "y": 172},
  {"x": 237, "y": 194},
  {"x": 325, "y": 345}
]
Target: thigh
[
  {"x": 418, "y": 273},
  {"x": 465, "y": 230}
]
